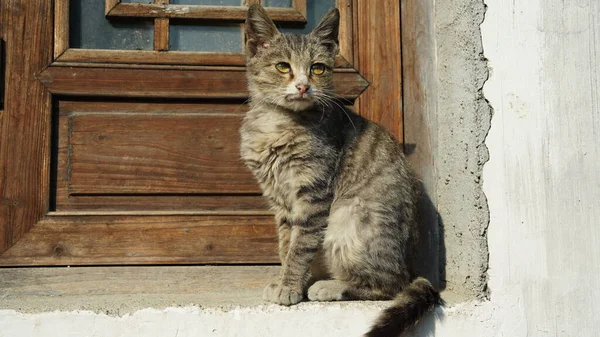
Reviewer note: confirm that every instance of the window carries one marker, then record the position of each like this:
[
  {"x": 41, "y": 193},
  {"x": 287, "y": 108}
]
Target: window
[{"x": 127, "y": 149}]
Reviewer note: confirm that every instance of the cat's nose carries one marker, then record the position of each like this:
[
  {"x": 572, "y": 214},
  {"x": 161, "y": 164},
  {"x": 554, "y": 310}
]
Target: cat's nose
[{"x": 302, "y": 88}]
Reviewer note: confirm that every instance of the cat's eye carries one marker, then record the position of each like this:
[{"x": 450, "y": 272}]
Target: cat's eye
[
  {"x": 318, "y": 69},
  {"x": 283, "y": 67}
]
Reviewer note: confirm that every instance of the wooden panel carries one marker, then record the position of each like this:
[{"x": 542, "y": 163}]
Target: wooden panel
[
  {"x": 24, "y": 133},
  {"x": 221, "y": 13},
  {"x": 172, "y": 83},
  {"x": 76, "y": 240},
  {"x": 378, "y": 48},
  {"x": 154, "y": 153},
  {"x": 161, "y": 204}
]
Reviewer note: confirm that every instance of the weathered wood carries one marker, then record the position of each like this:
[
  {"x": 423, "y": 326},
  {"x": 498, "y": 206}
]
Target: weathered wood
[
  {"x": 418, "y": 77},
  {"x": 242, "y": 205},
  {"x": 161, "y": 30},
  {"x": 25, "y": 128},
  {"x": 161, "y": 34},
  {"x": 137, "y": 107},
  {"x": 91, "y": 281},
  {"x": 61, "y": 27},
  {"x": 170, "y": 83},
  {"x": 346, "y": 37},
  {"x": 156, "y": 154},
  {"x": 300, "y": 6},
  {"x": 107, "y": 58},
  {"x": 221, "y": 13},
  {"x": 98, "y": 240},
  {"x": 65, "y": 201},
  {"x": 152, "y": 57},
  {"x": 129, "y": 289},
  {"x": 378, "y": 48},
  {"x": 109, "y": 5}
]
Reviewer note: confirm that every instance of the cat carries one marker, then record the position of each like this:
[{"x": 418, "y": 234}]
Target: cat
[{"x": 344, "y": 197}]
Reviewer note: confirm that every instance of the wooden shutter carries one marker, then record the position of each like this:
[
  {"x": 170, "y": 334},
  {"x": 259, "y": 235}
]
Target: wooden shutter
[{"x": 115, "y": 156}]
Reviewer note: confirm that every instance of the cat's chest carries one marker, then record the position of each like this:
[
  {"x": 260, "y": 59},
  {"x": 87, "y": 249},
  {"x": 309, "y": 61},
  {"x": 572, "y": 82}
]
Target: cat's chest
[{"x": 278, "y": 156}]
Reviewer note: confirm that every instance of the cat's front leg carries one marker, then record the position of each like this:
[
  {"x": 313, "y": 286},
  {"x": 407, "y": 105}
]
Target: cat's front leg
[{"x": 306, "y": 236}]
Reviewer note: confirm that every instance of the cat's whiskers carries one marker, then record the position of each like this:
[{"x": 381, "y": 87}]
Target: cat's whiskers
[{"x": 333, "y": 99}]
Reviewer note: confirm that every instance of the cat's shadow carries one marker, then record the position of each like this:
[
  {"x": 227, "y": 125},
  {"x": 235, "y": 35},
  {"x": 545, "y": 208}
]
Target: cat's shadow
[{"x": 430, "y": 260}]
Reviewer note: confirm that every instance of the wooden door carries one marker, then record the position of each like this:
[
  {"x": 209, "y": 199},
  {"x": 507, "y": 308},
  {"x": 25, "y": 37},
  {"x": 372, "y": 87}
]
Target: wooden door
[{"x": 123, "y": 148}]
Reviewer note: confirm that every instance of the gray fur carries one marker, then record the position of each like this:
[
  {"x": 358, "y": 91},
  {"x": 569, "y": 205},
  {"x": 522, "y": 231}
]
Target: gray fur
[{"x": 343, "y": 194}]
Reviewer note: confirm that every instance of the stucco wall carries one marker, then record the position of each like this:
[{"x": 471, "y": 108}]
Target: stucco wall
[{"x": 543, "y": 177}]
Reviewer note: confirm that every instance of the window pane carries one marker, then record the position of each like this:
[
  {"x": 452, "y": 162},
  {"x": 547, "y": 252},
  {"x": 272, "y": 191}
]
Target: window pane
[
  {"x": 314, "y": 11},
  {"x": 207, "y": 2},
  {"x": 278, "y": 3},
  {"x": 89, "y": 28},
  {"x": 205, "y": 38}
]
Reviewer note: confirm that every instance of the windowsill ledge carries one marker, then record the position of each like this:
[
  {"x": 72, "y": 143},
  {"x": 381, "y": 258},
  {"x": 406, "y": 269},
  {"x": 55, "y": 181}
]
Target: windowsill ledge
[
  {"x": 186, "y": 301},
  {"x": 123, "y": 290}
]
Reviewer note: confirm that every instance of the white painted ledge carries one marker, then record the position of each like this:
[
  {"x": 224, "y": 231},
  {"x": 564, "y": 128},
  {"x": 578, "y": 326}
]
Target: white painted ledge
[{"x": 306, "y": 320}]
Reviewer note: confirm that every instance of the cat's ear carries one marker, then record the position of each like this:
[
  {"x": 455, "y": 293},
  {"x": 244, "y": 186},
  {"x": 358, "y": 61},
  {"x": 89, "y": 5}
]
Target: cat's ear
[
  {"x": 328, "y": 29},
  {"x": 260, "y": 29}
]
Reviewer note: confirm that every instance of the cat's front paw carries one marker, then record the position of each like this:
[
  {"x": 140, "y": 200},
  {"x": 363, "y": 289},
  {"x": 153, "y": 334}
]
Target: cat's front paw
[
  {"x": 328, "y": 290},
  {"x": 280, "y": 294}
]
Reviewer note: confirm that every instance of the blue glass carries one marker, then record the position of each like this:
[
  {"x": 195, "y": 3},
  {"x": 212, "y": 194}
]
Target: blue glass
[
  {"x": 277, "y": 3},
  {"x": 89, "y": 28},
  {"x": 207, "y": 2},
  {"x": 315, "y": 10},
  {"x": 205, "y": 38}
]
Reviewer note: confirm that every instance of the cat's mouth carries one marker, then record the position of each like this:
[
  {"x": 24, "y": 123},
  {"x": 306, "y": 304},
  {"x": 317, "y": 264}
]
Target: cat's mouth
[{"x": 298, "y": 98}]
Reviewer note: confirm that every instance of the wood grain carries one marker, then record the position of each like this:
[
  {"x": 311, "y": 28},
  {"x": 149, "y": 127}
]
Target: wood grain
[
  {"x": 221, "y": 13},
  {"x": 173, "y": 280},
  {"x": 242, "y": 205},
  {"x": 418, "y": 80},
  {"x": 152, "y": 57},
  {"x": 378, "y": 48},
  {"x": 107, "y": 58},
  {"x": 25, "y": 128},
  {"x": 300, "y": 6},
  {"x": 156, "y": 154},
  {"x": 161, "y": 34},
  {"x": 109, "y": 5},
  {"x": 346, "y": 36},
  {"x": 101, "y": 240},
  {"x": 170, "y": 83},
  {"x": 161, "y": 30},
  {"x": 61, "y": 27},
  {"x": 176, "y": 204}
]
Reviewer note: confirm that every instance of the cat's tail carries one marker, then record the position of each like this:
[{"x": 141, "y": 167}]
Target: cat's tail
[{"x": 410, "y": 305}]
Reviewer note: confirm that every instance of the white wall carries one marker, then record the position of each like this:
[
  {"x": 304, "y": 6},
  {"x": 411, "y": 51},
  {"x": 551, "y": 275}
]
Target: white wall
[{"x": 543, "y": 177}]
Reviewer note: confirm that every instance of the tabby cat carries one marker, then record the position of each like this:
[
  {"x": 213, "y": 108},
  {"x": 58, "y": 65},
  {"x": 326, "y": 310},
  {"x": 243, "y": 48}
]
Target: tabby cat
[{"x": 344, "y": 197}]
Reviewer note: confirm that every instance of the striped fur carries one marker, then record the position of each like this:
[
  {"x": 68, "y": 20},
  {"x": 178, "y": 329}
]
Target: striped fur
[{"x": 343, "y": 194}]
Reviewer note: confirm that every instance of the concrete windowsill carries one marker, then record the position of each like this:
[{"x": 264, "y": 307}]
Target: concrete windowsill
[
  {"x": 123, "y": 290},
  {"x": 186, "y": 301}
]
